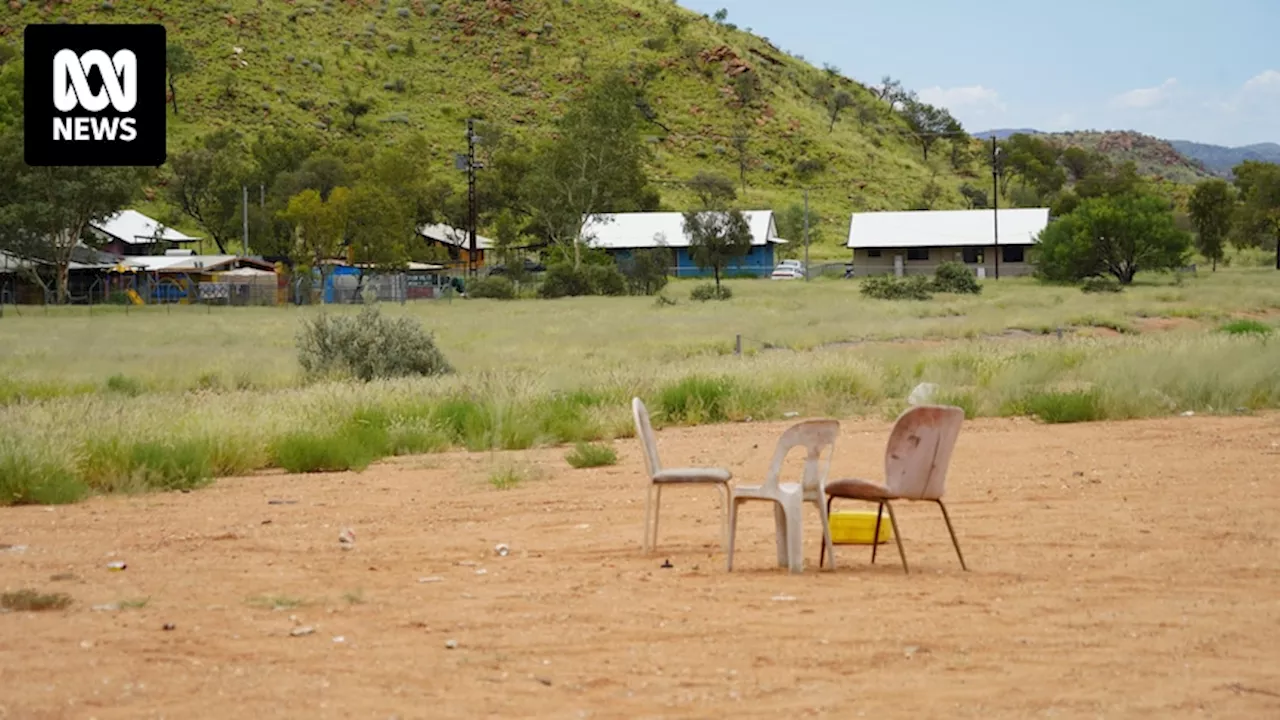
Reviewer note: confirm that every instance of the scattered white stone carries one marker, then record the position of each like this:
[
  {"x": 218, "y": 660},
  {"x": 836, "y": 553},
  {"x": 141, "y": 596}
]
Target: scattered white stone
[
  {"x": 347, "y": 539},
  {"x": 432, "y": 579},
  {"x": 583, "y": 526},
  {"x": 109, "y": 607},
  {"x": 300, "y": 631},
  {"x": 451, "y": 644},
  {"x": 790, "y": 414},
  {"x": 502, "y": 549},
  {"x": 783, "y": 598},
  {"x": 1189, "y": 413},
  {"x": 482, "y": 571},
  {"x": 339, "y": 639}
]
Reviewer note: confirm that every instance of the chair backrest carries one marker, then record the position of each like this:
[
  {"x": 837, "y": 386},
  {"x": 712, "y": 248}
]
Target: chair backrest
[
  {"x": 644, "y": 431},
  {"x": 919, "y": 451},
  {"x": 816, "y": 437}
]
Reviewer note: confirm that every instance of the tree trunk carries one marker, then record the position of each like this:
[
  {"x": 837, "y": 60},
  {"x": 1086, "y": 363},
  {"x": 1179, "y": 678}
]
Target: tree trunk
[
  {"x": 1215, "y": 263},
  {"x": 64, "y": 273},
  {"x": 173, "y": 92},
  {"x": 577, "y": 254},
  {"x": 716, "y": 270}
]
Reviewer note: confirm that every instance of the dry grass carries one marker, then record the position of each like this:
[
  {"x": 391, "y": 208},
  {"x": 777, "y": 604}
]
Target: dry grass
[{"x": 170, "y": 400}]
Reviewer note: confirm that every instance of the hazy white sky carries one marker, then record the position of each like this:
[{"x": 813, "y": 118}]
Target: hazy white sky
[{"x": 1177, "y": 69}]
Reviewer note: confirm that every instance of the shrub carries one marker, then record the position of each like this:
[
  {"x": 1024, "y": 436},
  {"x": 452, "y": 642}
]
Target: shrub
[
  {"x": 32, "y": 601},
  {"x": 1246, "y": 327},
  {"x": 888, "y": 287},
  {"x": 172, "y": 464},
  {"x": 646, "y": 271},
  {"x": 1101, "y": 285},
  {"x": 710, "y": 291},
  {"x": 955, "y": 277},
  {"x": 305, "y": 452},
  {"x": 588, "y": 455},
  {"x": 494, "y": 286},
  {"x": 124, "y": 385},
  {"x": 564, "y": 280},
  {"x": 368, "y": 346}
]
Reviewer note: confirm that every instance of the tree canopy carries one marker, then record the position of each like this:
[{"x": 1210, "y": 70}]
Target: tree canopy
[
  {"x": 1212, "y": 207},
  {"x": 1114, "y": 235}
]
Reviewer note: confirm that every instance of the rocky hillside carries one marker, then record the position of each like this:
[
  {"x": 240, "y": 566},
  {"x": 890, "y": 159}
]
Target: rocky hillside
[
  {"x": 426, "y": 66},
  {"x": 1154, "y": 157}
]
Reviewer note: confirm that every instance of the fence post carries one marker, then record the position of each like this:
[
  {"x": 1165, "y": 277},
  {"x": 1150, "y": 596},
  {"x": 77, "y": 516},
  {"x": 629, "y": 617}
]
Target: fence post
[{"x": 737, "y": 345}]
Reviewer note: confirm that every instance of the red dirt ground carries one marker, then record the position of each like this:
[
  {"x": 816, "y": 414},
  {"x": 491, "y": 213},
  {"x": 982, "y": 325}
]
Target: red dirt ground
[{"x": 1117, "y": 570}]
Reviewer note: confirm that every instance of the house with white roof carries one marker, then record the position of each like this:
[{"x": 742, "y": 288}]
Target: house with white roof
[
  {"x": 621, "y": 234},
  {"x": 915, "y": 242},
  {"x": 457, "y": 242},
  {"x": 129, "y": 232}
]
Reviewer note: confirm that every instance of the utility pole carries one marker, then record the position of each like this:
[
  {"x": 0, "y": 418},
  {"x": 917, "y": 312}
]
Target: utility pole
[
  {"x": 995, "y": 198},
  {"x": 471, "y": 196},
  {"x": 244, "y": 190},
  {"x": 806, "y": 234}
]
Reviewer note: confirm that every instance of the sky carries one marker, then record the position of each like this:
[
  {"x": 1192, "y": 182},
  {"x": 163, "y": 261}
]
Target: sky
[{"x": 1175, "y": 69}]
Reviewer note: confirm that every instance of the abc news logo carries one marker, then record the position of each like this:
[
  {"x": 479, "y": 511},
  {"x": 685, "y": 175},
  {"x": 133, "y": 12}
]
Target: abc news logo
[{"x": 95, "y": 95}]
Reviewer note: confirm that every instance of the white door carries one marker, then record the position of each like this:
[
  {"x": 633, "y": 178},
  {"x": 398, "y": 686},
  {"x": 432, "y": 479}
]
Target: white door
[{"x": 897, "y": 265}]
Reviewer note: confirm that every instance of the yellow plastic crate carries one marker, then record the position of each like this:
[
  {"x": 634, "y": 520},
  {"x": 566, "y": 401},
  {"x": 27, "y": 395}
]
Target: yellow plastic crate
[{"x": 856, "y": 527}]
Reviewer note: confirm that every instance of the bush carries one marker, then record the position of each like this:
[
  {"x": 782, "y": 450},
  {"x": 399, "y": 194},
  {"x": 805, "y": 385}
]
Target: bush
[
  {"x": 589, "y": 455},
  {"x": 955, "y": 277},
  {"x": 646, "y": 271},
  {"x": 496, "y": 287},
  {"x": 710, "y": 291},
  {"x": 1101, "y": 285},
  {"x": 368, "y": 346},
  {"x": 1064, "y": 407},
  {"x": 25, "y": 481},
  {"x": 696, "y": 399},
  {"x": 888, "y": 287},
  {"x": 563, "y": 280}
]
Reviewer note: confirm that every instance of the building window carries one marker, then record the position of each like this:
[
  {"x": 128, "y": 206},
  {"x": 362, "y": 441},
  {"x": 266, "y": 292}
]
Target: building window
[
  {"x": 1012, "y": 253},
  {"x": 873, "y": 253},
  {"x": 917, "y": 253},
  {"x": 973, "y": 255}
]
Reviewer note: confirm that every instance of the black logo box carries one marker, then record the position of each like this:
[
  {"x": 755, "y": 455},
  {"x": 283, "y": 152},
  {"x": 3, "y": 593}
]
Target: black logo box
[{"x": 43, "y": 41}]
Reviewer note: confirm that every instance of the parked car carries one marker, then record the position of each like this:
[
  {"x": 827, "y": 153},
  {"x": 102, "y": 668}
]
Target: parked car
[{"x": 788, "y": 270}]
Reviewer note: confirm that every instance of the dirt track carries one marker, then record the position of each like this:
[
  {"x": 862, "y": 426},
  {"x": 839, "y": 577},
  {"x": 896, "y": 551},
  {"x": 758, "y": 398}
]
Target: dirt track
[{"x": 1118, "y": 570}]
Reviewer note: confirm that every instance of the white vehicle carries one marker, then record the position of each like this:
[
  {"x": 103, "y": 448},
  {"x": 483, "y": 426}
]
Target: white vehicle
[{"x": 788, "y": 270}]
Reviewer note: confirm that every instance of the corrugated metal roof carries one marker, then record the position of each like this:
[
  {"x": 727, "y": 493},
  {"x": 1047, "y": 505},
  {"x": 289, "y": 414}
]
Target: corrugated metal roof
[
  {"x": 945, "y": 228},
  {"x": 620, "y": 231},
  {"x": 191, "y": 263},
  {"x": 131, "y": 226},
  {"x": 453, "y": 236}
]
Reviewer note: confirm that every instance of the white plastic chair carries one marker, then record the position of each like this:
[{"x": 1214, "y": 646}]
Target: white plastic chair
[
  {"x": 659, "y": 476},
  {"x": 817, "y": 437},
  {"x": 915, "y": 468}
]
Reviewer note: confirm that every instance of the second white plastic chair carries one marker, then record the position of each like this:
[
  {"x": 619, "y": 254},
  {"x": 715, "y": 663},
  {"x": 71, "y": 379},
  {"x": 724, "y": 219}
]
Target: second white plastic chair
[{"x": 818, "y": 438}]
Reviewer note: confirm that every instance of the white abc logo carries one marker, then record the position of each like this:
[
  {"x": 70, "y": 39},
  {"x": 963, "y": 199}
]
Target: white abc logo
[{"x": 119, "y": 80}]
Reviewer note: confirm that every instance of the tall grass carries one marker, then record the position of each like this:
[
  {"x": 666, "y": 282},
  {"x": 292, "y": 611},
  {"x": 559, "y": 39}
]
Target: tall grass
[{"x": 61, "y": 448}]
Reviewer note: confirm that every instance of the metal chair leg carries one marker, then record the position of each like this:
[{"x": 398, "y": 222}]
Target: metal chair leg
[
  {"x": 897, "y": 536},
  {"x": 657, "y": 507},
  {"x": 875, "y": 536},
  {"x": 648, "y": 516},
  {"x": 951, "y": 530},
  {"x": 733, "y": 534}
]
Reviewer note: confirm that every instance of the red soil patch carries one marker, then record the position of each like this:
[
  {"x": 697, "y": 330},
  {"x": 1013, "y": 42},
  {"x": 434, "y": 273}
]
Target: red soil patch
[{"x": 1117, "y": 569}]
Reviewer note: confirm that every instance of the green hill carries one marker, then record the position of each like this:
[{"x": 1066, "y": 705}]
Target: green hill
[{"x": 427, "y": 66}]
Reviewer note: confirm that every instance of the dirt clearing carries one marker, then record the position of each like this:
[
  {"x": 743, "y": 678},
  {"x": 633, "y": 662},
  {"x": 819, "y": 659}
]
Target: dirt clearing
[{"x": 1118, "y": 570}]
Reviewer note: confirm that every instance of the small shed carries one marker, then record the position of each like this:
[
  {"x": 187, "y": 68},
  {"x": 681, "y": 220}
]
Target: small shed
[
  {"x": 129, "y": 232},
  {"x": 457, "y": 242}
]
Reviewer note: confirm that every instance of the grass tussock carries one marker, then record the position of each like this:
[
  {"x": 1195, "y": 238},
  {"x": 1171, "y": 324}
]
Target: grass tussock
[{"x": 589, "y": 455}]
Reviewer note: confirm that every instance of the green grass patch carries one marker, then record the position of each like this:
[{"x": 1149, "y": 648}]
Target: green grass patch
[
  {"x": 28, "y": 481},
  {"x": 589, "y": 455},
  {"x": 32, "y": 601},
  {"x": 1064, "y": 407},
  {"x": 695, "y": 400},
  {"x": 125, "y": 385},
  {"x": 1246, "y": 327},
  {"x": 351, "y": 448},
  {"x": 119, "y": 464}
]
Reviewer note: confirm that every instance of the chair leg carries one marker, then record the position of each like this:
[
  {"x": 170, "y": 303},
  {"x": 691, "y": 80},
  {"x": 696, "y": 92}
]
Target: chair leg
[
  {"x": 826, "y": 536},
  {"x": 875, "y": 536},
  {"x": 725, "y": 499},
  {"x": 794, "y": 515},
  {"x": 823, "y": 552},
  {"x": 951, "y": 530},
  {"x": 897, "y": 536},
  {"x": 733, "y": 533},
  {"x": 657, "y": 508},
  {"x": 780, "y": 533},
  {"x": 648, "y": 515}
]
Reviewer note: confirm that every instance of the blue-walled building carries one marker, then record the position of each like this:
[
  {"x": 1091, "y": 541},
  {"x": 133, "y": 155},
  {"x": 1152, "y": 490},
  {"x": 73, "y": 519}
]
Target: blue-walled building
[{"x": 622, "y": 233}]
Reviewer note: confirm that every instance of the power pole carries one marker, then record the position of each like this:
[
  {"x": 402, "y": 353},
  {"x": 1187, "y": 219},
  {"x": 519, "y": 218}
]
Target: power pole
[
  {"x": 471, "y": 196},
  {"x": 995, "y": 198},
  {"x": 244, "y": 190},
  {"x": 806, "y": 234}
]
